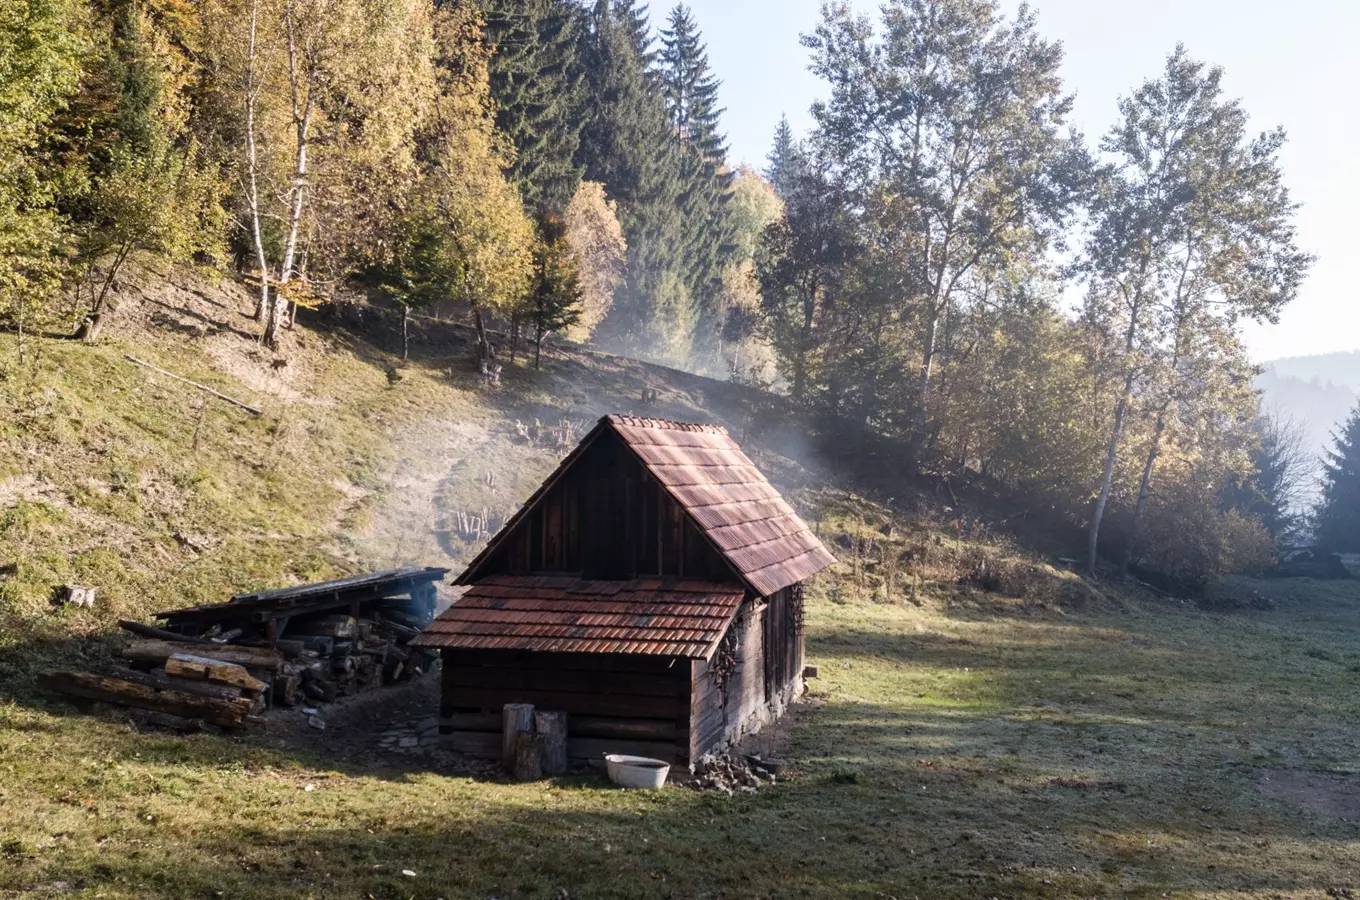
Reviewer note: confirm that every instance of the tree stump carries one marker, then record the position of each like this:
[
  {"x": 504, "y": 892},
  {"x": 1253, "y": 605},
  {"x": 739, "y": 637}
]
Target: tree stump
[
  {"x": 528, "y": 761},
  {"x": 552, "y": 727},
  {"x": 515, "y": 717},
  {"x": 73, "y": 595}
]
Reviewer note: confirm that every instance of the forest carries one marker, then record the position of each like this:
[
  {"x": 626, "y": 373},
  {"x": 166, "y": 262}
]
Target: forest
[{"x": 950, "y": 282}]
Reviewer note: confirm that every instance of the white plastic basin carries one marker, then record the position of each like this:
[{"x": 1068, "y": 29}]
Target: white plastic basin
[{"x": 636, "y": 771}]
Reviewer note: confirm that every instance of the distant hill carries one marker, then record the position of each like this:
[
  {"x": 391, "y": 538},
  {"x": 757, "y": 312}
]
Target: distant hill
[
  {"x": 1317, "y": 391},
  {"x": 1336, "y": 368}
]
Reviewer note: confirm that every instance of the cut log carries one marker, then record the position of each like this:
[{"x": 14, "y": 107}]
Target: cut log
[
  {"x": 377, "y": 651},
  {"x": 160, "y": 633},
  {"x": 159, "y": 680},
  {"x": 321, "y": 690},
  {"x": 316, "y": 670},
  {"x": 108, "y": 689},
  {"x": 528, "y": 758},
  {"x": 289, "y": 648},
  {"x": 515, "y": 717},
  {"x": 552, "y": 728},
  {"x": 157, "y": 652},
  {"x": 336, "y": 626},
  {"x": 395, "y": 629},
  {"x": 203, "y": 668},
  {"x": 285, "y": 690}
]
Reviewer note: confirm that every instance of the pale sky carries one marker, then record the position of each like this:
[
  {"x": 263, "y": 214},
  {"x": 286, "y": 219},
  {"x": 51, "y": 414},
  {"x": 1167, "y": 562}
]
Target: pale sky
[{"x": 1295, "y": 64}]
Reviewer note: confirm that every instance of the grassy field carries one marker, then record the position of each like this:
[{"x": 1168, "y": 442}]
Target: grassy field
[
  {"x": 984, "y": 725},
  {"x": 976, "y": 748}
]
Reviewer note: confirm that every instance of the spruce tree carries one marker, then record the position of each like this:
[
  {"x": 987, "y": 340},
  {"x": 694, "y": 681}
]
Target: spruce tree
[
  {"x": 691, "y": 95},
  {"x": 1338, "y": 519},
  {"x": 782, "y": 158},
  {"x": 538, "y": 84},
  {"x": 691, "y": 90},
  {"x": 627, "y": 146}
]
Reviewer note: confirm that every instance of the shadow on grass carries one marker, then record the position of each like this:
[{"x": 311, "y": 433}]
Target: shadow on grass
[
  {"x": 917, "y": 796},
  {"x": 895, "y": 828}
]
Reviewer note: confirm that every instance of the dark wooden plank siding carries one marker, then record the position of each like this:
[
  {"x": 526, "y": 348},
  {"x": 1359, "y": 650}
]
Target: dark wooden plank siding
[
  {"x": 607, "y": 517},
  {"x": 728, "y": 691},
  {"x": 783, "y": 640},
  {"x": 614, "y": 702},
  {"x": 750, "y": 675}
]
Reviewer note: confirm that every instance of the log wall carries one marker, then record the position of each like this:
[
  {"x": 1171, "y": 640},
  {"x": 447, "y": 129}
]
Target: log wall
[
  {"x": 755, "y": 674},
  {"x": 615, "y": 703}
]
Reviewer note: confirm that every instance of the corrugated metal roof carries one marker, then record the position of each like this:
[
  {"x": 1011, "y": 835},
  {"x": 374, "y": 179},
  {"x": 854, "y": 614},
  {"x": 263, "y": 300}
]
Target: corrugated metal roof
[
  {"x": 728, "y": 498},
  {"x": 660, "y": 617}
]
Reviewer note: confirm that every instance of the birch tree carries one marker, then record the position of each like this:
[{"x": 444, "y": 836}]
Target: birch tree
[
  {"x": 1192, "y": 231},
  {"x": 959, "y": 113}
]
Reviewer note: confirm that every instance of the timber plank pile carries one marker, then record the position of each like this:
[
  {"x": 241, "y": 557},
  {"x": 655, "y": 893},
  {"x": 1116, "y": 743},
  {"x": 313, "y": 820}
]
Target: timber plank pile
[{"x": 223, "y": 664}]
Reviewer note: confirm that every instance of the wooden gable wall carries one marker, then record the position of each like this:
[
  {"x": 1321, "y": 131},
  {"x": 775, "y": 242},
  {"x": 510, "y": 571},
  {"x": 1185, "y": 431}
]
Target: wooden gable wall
[{"x": 607, "y": 517}]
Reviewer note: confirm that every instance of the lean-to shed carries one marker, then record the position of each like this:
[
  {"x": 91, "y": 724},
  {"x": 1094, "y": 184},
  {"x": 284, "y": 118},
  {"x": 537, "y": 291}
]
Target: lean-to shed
[{"x": 651, "y": 588}]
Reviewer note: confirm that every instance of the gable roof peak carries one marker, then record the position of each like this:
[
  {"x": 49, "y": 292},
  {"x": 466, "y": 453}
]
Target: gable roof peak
[{"x": 667, "y": 424}]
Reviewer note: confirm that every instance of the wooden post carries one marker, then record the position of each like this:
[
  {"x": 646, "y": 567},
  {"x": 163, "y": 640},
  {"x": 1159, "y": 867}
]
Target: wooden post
[
  {"x": 528, "y": 758},
  {"x": 552, "y": 727},
  {"x": 515, "y": 717}
]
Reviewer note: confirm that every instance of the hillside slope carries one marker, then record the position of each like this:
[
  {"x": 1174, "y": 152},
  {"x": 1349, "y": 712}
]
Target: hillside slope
[{"x": 160, "y": 495}]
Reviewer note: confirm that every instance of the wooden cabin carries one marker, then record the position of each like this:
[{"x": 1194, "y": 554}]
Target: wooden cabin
[{"x": 651, "y": 588}]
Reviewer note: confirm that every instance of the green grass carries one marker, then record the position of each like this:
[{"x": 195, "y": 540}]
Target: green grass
[{"x": 967, "y": 754}]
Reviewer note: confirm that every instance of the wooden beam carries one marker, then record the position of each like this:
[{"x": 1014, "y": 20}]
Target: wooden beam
[
  {"x": 160, "y": 633},
  {"x": 202, "y": 387}
]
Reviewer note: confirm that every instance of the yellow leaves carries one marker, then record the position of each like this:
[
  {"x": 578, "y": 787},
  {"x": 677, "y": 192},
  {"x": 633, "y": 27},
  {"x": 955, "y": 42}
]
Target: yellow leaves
[{"x": 600, "y": 251}]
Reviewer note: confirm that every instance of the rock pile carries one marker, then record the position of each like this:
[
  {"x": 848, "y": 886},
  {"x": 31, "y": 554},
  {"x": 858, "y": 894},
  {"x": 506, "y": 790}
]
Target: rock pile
[{"x": 731, "y": 773}]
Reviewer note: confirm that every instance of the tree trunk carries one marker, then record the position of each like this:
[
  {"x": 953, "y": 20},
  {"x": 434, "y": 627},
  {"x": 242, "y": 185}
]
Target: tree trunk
[
  {"x": 528, "y": 758},
  {"x": 799, "y": 386},
  {"x": 91, "y": 328},
  {"x": 1107, "y": 478},
  {"x": 538, "y": 350},
  {"x": 405, "y": 332},
  {"x": 157, "y": 652},
  {"x": 1144, "y": 489},
  {"x": 552, "y": 728},
  {"x": 253, "y": 168},
  {"x": 202, "y": 668},
  {"x": 918, "y": 416},
  {"x": 484, "y": 350},
  {"x": 302, "y": 120},
  {"x": 515, "y": 717},
  {"x": 111, "y": 689}
]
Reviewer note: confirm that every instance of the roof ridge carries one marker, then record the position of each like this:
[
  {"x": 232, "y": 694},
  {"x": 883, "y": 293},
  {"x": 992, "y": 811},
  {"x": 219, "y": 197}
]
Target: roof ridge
[{"x": 667, "y": 424}]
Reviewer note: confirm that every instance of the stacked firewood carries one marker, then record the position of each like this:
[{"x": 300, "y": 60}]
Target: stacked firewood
[
  {"x": 334, "y": 655},
  {"x": 228, "y": 677}
]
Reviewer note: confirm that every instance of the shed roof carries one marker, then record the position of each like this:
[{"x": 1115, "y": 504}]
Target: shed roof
[
  {"x": 726, "y": 496},
  {"x": 650, "y": 616}
]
